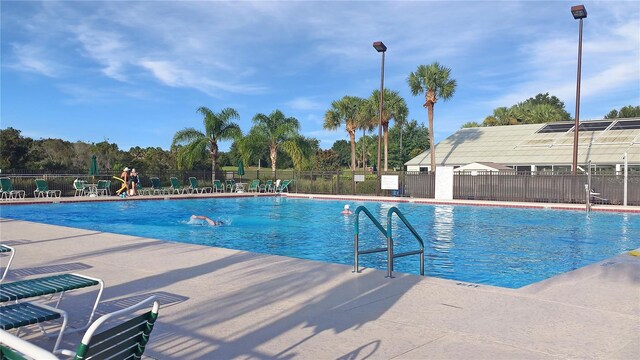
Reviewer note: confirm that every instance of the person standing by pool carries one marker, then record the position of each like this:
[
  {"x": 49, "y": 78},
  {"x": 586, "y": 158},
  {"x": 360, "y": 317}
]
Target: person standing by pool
[
  {"x": 133, "y": 183},
  {"x": 124, "y": 177}
]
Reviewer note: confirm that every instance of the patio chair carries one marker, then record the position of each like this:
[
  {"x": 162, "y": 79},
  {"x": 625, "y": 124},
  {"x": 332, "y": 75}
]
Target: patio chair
[
  {"x": 230, "y": 185},
  {"x": 42, "y": 189},
  {"x": 176, "y": 187},
  {"x": 103, "y": 187},
  {"x": 4, "y": 249},
  {"x": 141, "y": 190},
  {"x": 17, "y": 315},
  {"x": 195, "y": 188},
  {"x": 49, "y": 285},
  {"x": 14, "y": 348},
  {"x": 284, "y": 187},
  {"x": 78, "y": 186},
  {"x": 253, "y": 187},
  {"x": 217, "y": 186},
  {"x": 266, "y": 187},
  {"x": 126, "y": 337},
  {"x": 157, "y": 186},
  {"x": 7, "y": 190}
]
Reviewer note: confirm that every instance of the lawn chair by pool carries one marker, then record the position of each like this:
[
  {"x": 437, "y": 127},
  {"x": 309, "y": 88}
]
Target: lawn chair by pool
[
  {"x": 157, "y": 186},
  {"x": 284, "y": 187},
  {"x": 195, "y": 188},
  {"x": 49, "y": 285},
  {"x": 176, "y": 187},
  {"x": 42, "y": 189},
  {"x": 17, "y": 315},
  {"x": 218, "y": 186},
  {"x": 253, "y": 187},
  {"x": 266, "y": 187},
  {"x": 7, "y": 190},
  {"x": 4, "y": 249},
  {"x": 126, "y": 338},
  {"x": 14, "y": 348},
  {"x": 103, "y": 187},
  {"x": 230, "y": 185},
  {"x": 141, "y": 190},
  {"x": 78, "y": 186}
]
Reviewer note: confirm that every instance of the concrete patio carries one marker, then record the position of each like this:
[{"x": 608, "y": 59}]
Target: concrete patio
[{"x": 226, "y": 304}]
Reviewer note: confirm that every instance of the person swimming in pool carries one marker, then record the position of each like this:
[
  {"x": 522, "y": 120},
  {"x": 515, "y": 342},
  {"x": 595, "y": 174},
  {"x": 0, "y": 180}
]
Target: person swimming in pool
[
  {"x": 346, "y": 210},
  {"x": 209, "y": 221}
]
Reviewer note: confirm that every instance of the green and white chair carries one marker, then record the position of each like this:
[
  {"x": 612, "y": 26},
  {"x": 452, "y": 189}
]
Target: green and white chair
[
  {"x": 254, "y": 186},
  {"x": 78, "y": 186},
  {"x": 266, "y": 187},
  {"x": 42, "y": 189},
  {"x": 284, "y": 186},
  {"x": 157, "y": 187},
  {"x": 195, "y": 188},
  {"x": 8, "y": 192},
  {"x": 118, "y": 335},
  {"x": 230, "y": 185},
  {"x": 176, "y": 187},
  {"x": 218, "y": 186},
  {"x": 103, "y": 187}
]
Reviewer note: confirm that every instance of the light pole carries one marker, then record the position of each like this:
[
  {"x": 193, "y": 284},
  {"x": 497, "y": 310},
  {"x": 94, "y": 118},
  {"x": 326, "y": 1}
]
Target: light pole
[
  {"x": 380, "y": 47},
  {"x": 579, "y": 12}
]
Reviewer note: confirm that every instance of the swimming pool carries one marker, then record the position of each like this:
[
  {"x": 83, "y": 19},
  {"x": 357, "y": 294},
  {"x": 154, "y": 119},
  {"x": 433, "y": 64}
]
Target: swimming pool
[{"x": 505, "y": 247}]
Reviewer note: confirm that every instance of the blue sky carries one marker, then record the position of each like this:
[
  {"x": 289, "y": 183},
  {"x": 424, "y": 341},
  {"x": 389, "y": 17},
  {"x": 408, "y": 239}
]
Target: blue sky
[{"x": 134, "y": 73}]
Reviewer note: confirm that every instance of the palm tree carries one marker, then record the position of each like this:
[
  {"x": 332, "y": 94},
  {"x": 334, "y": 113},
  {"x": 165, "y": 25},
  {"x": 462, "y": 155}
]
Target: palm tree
[
  {"x": 432, "y": 80},
  {"x": 279, "y": 133},
  {"x": 217, "y": 126},
  {"x": 393, "y": 107},
  {"x": 345, "y": 110}
]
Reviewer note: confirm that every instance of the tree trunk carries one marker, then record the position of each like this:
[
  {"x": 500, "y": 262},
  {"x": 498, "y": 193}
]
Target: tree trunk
[
  {"x": 274, "y": 156},
  {"x": 352, "y": 136},
  {"x": 431, "y": 144},
  {"x": 213, "y": 167}
]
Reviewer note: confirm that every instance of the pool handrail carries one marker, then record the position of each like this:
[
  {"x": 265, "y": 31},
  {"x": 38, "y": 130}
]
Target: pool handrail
[
  {"x": 389, "y": 237},
  {"x": 356, "y": 231},
  {"x": 391, "y": 256}
]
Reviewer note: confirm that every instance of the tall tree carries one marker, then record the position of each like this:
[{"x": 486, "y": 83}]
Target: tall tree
[
  {"x": 280, "y": 133},
  {"x": 432, "y": 80},
  {"x": 14, "y": 149},
  {"x": 217, "y": 127},
  {"x": 343, "y": 149},
  {"x": 393, "y": 107},
  {"x": 345, "y": 111},
  {"x": 555, "y": 104}
]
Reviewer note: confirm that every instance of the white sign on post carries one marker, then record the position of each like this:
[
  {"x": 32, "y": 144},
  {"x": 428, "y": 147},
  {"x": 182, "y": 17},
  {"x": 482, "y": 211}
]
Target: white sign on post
[
  {"x": 389, "y": 182},
  {"x": 358, "y": 178},
  {"x": 444, "y": 183}
]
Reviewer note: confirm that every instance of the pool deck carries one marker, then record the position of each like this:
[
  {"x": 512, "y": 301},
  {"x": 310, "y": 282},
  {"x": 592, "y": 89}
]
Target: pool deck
[{"x": 227, "y": 304}]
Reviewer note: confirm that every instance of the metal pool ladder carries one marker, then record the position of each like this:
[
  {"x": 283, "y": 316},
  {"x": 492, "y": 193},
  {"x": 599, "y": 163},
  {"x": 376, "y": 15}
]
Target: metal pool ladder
[{"x": 388, "y": 234}]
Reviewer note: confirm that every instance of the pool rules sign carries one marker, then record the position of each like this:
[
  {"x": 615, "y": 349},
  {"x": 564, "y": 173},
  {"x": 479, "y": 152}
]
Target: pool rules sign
[{"x": 444, "y": 183}]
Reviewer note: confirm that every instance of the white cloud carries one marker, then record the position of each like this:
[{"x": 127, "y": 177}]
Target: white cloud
[
  {"x": 31, "y": 58},
  {"x": 305, "y": 103}
]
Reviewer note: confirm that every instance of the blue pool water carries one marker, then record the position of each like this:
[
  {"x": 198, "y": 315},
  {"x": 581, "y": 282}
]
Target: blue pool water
[{"x": 497, "y": 246}]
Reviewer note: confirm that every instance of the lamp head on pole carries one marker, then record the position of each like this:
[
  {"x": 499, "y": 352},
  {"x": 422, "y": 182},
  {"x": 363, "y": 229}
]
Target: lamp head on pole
[
  {"x": 579, "y": 12},
  {"x": 380, "y": 47}
]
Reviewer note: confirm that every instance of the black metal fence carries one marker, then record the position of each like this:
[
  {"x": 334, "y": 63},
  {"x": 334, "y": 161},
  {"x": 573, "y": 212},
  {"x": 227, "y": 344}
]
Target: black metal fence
[{"x": 525, "y": 187}]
